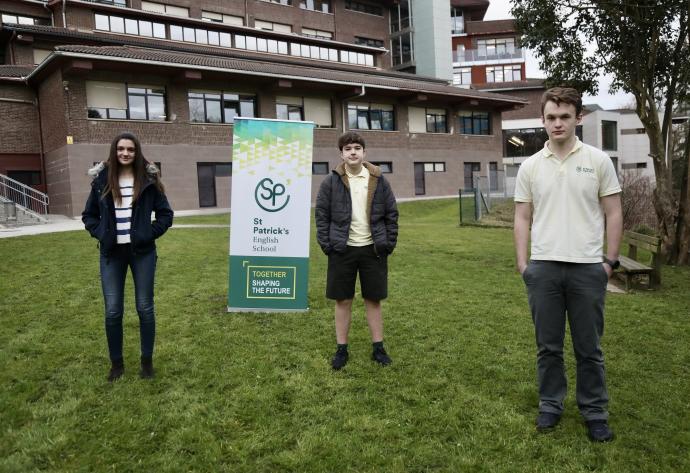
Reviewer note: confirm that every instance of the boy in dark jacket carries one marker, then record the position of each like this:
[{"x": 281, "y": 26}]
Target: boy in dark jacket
[{"x": 357, "y": 227}]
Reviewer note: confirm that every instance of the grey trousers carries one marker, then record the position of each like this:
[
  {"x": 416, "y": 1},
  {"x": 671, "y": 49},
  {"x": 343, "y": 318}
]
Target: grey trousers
[{"x": 555, "y": 288}]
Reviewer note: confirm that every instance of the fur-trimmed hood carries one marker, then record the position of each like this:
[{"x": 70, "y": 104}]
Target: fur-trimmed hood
[
  {"x": 372, "y": 168},
  {"x": 151, "y": 170}
]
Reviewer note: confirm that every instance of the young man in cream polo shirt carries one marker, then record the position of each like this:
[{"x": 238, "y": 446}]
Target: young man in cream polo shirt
[
  {"x": 357, "y": 227},
  {"x": 570, "y": 194}
]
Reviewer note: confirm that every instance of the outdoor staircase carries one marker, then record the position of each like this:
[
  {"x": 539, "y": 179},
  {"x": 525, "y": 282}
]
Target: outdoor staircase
[{"x": 21, "y": 204}]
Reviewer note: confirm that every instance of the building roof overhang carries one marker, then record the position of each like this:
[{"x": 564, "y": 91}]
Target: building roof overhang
[{"x": 409, "y": 87}]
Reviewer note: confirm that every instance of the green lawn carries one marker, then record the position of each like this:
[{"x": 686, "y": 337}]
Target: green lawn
[{"x": 255, "y": 392}]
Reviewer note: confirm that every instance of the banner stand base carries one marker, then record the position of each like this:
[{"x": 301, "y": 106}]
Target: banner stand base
[{"x": 264, "y": 311}]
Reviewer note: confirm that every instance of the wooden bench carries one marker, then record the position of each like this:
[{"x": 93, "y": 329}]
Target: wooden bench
[{"x": 631, "y": 267}]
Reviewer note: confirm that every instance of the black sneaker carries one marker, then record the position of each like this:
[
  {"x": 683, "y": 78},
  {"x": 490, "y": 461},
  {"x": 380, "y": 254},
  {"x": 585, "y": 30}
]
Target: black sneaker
[
  {"x": 598, "y": 430},
  {"x": 380, "y": 356},
  {"x": 546, "y": 421},
  {"x": 339, "y": 359},
  {"x": 116, "y": 371},
  {"x": 147, "y": 371}
]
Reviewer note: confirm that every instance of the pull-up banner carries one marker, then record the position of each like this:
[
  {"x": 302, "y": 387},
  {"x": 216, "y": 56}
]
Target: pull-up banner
[{"x": 269, "y": 218}]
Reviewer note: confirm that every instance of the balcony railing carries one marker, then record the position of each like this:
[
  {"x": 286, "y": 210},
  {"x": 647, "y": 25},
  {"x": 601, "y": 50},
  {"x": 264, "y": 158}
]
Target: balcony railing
[
  {"x": 471, "y": 55},
  {"x": 117, "y": 3}
]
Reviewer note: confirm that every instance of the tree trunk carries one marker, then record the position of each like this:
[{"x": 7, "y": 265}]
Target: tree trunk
[
  {"x": 664, "y": 204},
  {"x": 683, "y": 224}
]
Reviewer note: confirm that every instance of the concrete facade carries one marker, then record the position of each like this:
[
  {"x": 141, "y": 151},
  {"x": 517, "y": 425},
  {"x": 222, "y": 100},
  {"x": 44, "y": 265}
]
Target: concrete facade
[{"x": 431, "y": 33}]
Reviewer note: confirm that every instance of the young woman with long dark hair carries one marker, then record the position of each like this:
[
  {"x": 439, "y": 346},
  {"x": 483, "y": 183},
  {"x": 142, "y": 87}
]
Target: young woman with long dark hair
[{"x": 125, "y": 191}]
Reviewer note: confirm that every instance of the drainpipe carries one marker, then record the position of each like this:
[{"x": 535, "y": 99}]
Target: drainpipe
[
  {"x": 41, "y": 146},
  {"x": 52, "y": 16},
  {"x": 344, "y": 99},
  {"x": 12, "y": 38}
]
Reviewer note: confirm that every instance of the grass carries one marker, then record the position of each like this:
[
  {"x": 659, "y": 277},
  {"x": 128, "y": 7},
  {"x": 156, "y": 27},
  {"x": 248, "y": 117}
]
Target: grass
[{"x": 254, "y": 392}]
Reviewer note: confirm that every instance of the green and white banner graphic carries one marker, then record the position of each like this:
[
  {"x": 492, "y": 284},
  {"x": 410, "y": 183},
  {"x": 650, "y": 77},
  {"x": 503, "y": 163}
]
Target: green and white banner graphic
[{"x": 270, "y": 211}]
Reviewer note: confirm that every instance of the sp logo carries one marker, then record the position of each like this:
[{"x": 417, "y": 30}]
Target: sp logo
[{"x": 270, "y": 196}]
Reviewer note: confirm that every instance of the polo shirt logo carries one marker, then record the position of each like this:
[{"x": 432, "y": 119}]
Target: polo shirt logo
[{"x": 581, "y": 169}]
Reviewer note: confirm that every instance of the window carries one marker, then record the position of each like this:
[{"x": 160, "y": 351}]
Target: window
[
  {"x": 290, "y": 108},
  {"x": 462, "y": 76},
  {"x": 501, "y": 47},
  {"x": 357, "y": 58},
  {"x": 370, "y": 116},
  {"x": 324, "y": 6},
  {"x": 385, "y": 166},
  {"x": 281, "y": 2},
  {"x": 146, "y": 103},
  {"x": 319, "y": 168},
  {"x": 23, "y": 20},
  {"x": 523, "y": 142},
  {"x": 436, "y": 121},
  {"x": 317, "y": 33},
  {"x": 118, "y": 24},
  {"x": 474, "y": 123},
  {"x": 222, "y": 18},
  {"x": 628, "y": 166},
  {"x": 374, "y": 43},
  {"x": 314, "y": 109},
  {"x": 609, "y": 135},
  {"x": 400, "y": 16},
  {"x": 401, "y": 48},
  {"x": 270, "y": 26},
  {"x": 116, "y": 100},
  {"x": 363, "y": 7},
  {"x": 434, "y": 167},
  {"x": 199, "y": 35},
  {"x": 28, "y": 178},
  {"x": 427, "y": 120},
  {"x": 167, "y": 9},
  {"x": 219, "y": 106},
  {"x": 470, "y": 169},
  {"x": 504, "y": 73},
  {"x": 457, "y": 21}
]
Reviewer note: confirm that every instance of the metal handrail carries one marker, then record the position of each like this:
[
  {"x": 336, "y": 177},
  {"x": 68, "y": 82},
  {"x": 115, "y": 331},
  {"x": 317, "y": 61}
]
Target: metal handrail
[{"x": 24, "y": 196}]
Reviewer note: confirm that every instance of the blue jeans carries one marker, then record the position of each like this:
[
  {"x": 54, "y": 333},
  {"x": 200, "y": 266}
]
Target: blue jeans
[{"x": 113, "y": 273}]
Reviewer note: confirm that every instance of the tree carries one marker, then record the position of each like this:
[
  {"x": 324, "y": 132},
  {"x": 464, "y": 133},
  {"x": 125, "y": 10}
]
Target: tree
[{"x": 643, "y": 44}]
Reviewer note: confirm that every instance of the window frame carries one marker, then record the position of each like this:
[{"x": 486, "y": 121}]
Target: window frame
[
  {"x": 362, "y": 113},
  {"x": 385, "y": 166},
  {"x": 473, "y": 117},
  {"x": 316, "y": 164},
  {"x": 148, "y": 93},
  {"x": 224, "y": 97}
]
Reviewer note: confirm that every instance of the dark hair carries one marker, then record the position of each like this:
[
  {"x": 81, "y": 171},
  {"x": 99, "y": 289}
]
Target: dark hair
[
  {"x": 560, "y": 95},
  {"x": 349, "y": 138},
  {"x": 141, "y": 173}
]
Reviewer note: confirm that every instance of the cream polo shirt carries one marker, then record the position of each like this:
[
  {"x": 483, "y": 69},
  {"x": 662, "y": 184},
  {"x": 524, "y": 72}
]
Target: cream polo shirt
[
  {"x": 568, "y": 221},
  {"x": 360, "y": 231}
]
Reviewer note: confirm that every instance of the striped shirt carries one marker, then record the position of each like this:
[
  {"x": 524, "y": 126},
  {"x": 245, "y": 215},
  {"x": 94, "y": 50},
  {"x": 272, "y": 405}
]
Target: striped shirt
[{"x": 123, "y": 210}]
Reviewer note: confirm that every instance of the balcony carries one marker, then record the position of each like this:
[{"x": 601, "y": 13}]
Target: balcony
[{"x": 487, "y": 56}]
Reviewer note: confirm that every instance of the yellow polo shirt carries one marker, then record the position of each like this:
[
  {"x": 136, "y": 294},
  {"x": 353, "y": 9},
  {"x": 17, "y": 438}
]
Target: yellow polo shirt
[
  {"x": 360, "y": 231},
  {"x": 567, "y": 220}
]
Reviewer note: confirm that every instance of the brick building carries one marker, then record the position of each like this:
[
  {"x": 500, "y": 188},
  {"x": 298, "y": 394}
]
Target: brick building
[
  {"x": 176, "y": 73},
  {"x": 484, "y": 52}
]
